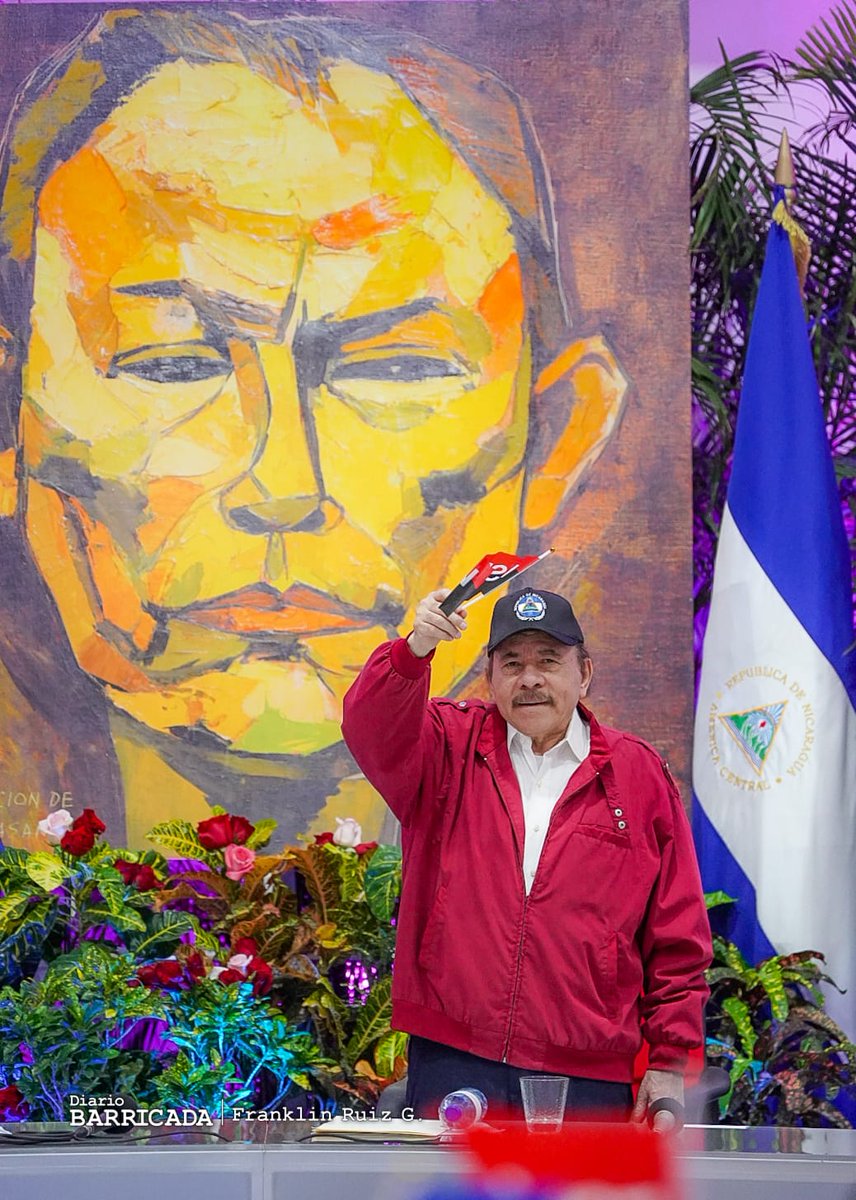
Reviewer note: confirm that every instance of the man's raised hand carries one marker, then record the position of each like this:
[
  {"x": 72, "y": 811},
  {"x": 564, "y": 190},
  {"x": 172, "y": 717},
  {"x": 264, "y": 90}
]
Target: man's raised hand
[{"x": 430, "y": 626}]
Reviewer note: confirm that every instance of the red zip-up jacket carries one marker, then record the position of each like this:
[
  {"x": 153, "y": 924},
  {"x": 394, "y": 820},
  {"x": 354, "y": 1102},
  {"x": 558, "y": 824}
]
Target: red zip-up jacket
[{"x": 613, "y": 939}]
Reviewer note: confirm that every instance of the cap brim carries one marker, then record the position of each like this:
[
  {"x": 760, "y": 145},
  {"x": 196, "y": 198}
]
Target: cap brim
[{"x": 564, "y": 638}]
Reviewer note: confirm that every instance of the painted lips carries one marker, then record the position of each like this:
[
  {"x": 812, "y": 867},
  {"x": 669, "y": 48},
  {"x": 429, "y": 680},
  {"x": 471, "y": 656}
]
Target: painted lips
[{"x": 261, "y": 609}]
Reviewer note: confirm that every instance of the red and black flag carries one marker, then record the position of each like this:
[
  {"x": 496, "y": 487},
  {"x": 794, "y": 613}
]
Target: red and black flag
[{"x": 490, "y": 572}]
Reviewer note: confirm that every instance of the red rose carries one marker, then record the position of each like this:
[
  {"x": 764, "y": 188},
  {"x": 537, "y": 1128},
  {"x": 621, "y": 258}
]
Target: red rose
[
  {"x": 138, "y": 875},
  {"x": 146, "y": 975},
  {"x": 230, "y": 975},
  {"x": 89, "y": 820},
  {"x": 225, "y": 830},
  {"x": 160, "y": 974},
  {"x": 247, "y": 946},
  {"x": 323, "y": 839},
  {"x": 127, "y": 870},
  {"x": 195, "y": 965},
  {"x": 77, "y": 841},
  {"x": 241, "y": 830},
  {"x": 13, "y": 1106},
  {"x": 365, "y": 847},
  {"x": 145, "y": 879},
  {"x": 168, "y": 972},
  {"x": 216, "y": 832},
  {"x": 262, "y": 976}
]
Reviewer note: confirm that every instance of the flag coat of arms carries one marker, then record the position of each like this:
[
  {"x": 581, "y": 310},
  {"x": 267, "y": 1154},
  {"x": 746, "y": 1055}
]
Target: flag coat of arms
[{"x": 774, "y": 764}]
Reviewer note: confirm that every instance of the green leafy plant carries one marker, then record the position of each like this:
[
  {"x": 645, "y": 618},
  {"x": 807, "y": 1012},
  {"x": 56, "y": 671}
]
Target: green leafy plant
[
  {"x": 788, "y": 1061},
  {"x": 235, "y": 1050},
  {"x": 63, "y": 1035}
]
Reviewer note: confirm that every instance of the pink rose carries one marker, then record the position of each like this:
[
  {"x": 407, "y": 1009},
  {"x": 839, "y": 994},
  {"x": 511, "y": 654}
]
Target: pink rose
[
  {"x": 347, "y": 832},
  {"x": 239, "y": 860},
  {"x": 55, "y": 825}
]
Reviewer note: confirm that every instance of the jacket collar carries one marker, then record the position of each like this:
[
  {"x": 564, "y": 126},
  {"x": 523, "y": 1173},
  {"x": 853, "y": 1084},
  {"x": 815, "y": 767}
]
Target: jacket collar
[
  {"x": 494, "y": 733},
  {"x": 492, "y": 744}
]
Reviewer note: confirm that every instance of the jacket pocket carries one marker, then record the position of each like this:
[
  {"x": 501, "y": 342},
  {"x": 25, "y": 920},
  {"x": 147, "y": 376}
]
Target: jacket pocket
[
  {"x": 602, "y": 833},
  {"x": 432, "y": 939},
  {"x": 608, "y": 971}
]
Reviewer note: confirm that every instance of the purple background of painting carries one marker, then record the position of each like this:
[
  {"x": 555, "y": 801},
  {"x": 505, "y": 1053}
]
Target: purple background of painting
[{"x": 609, "y": 103}]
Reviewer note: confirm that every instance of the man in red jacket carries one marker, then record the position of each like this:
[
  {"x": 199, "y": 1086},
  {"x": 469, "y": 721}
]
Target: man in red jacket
[{"x": 551, "y": 912}]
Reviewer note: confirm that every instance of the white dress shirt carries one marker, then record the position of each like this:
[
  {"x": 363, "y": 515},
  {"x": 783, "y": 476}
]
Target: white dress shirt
[{"x": 542, "y": 779}]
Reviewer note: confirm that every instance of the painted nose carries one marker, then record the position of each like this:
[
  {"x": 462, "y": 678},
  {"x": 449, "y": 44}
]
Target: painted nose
[{"x": 283, "y": 489}]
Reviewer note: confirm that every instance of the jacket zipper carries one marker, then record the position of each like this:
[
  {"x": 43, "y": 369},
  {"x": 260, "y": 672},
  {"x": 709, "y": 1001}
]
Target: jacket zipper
[{"x": 516, "y": 987}]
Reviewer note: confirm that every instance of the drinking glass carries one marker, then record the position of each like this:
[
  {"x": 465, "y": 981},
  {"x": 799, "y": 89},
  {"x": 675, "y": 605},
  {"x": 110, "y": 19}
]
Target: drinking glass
[{"x": 544, "y": 1099}]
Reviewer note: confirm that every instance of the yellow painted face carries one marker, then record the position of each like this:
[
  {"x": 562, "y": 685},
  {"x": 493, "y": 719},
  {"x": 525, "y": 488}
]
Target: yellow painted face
[{"x": 276, "y": 391}]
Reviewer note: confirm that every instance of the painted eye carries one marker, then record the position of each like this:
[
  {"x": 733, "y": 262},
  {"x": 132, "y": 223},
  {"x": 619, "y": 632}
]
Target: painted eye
[
  {"x": 188, "y": 368},
  {"x": 406, "y": 368},
  {"x": 183, "y": 362}
]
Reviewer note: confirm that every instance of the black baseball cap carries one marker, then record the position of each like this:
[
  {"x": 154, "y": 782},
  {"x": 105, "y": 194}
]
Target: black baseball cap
[{"x": 534, "y": 611}]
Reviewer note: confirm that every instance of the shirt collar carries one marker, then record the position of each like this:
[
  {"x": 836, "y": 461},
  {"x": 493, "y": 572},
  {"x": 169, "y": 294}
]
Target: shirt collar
[{"x": 575, "y": 737}]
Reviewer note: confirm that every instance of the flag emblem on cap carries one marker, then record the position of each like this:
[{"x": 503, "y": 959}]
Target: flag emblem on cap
[
  {"x": 530, "y": 607},
  {"x": 754, "y": 730}
]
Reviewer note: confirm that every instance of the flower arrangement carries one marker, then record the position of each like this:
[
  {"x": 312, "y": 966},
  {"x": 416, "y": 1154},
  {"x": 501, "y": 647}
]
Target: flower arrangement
[{"x": 221, "y": 976}]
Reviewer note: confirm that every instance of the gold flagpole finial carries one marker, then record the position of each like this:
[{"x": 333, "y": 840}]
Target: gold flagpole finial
[{"x": 784, "y": 175}]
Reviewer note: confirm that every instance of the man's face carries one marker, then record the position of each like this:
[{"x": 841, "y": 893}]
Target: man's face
[
  {"x": 536, "y": 683},
  {"x": 276, "y": 390}
]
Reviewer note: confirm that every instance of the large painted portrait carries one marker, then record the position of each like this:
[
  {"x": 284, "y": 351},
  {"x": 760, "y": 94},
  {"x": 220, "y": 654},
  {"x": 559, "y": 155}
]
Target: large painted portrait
[{"x": 303, "y": 309}]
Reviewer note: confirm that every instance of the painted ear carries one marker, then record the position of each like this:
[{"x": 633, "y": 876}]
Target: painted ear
[{"x": 578, "y": 402}]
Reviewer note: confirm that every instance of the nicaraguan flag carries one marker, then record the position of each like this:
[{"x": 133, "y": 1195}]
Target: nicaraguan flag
[{"x": 774, "y": 768}]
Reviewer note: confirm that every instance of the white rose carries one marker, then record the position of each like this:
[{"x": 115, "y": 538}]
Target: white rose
[
  {"x": 239, "y": 962},
  {"x": 55, "y": 825},
  {"x": 347, "y": 832}
]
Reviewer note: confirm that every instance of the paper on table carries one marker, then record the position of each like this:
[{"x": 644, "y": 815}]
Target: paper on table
[{"x": 382, "y": 1131}]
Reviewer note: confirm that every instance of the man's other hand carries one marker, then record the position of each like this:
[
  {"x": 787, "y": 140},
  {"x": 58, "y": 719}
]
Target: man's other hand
[
  {"x": 430, "y": 626},
  {"x": 659, "y": 1085}
]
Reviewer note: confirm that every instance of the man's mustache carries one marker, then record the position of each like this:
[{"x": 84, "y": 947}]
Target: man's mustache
[{"x": 531, "y": 698}]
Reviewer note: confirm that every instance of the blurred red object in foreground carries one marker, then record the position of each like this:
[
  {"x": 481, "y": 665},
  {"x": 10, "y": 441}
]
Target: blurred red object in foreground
[{"x": 609, "y": 1155}]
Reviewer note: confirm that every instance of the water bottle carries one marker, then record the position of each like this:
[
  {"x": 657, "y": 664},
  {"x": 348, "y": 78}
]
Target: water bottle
[{"x": 463, "y": 1108}]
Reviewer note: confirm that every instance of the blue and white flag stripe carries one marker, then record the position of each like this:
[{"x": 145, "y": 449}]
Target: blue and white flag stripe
[{"x": 774, "y": 768}]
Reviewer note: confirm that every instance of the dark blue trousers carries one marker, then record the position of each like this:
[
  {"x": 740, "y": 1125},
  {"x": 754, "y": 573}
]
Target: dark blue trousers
[{"x": 434, "y": 1070}]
